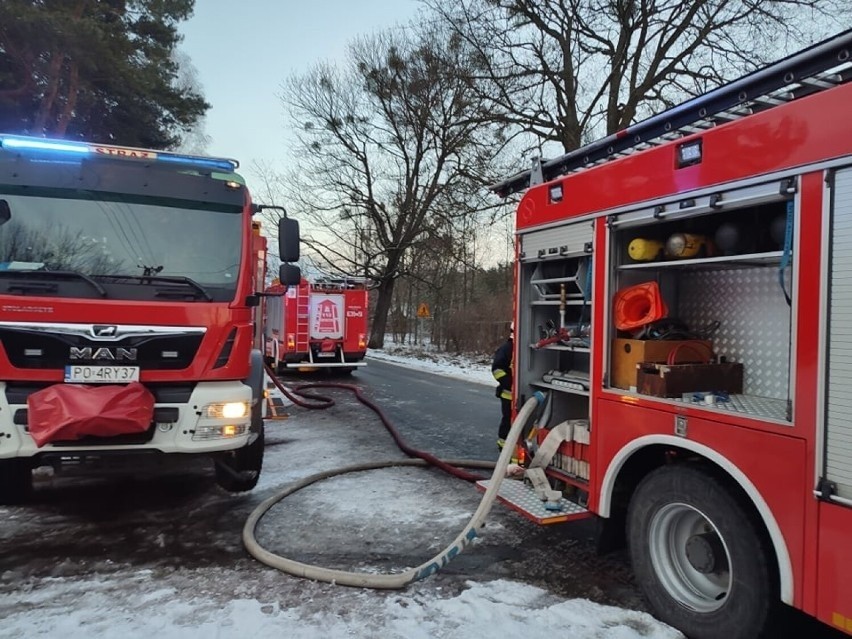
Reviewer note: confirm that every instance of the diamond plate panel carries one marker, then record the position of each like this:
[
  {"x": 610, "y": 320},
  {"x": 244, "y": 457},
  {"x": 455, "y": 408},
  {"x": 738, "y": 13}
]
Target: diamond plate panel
[
  {"x": 521, "y": 497},
  {"x": 755, "y": 322},
  {"x": 747, "y": 405}
]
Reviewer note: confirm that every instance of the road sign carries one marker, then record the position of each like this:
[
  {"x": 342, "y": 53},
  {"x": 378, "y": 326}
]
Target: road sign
[{"x": 423, "y": 310}]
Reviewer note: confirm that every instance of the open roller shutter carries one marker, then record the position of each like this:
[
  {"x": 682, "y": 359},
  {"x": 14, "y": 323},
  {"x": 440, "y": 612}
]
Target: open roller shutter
[{"x": 838, "y": 407}]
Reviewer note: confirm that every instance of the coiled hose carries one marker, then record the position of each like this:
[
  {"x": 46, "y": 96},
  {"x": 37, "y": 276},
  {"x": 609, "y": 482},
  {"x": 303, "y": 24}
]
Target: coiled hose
[{"x": 402, "y": 579}]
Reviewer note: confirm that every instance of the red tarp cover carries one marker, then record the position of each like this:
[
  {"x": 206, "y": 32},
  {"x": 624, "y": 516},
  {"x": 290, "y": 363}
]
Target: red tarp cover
[{"x": 64, "y": 412}]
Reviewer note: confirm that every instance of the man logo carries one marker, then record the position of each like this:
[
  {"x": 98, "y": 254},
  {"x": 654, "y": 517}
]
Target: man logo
[
  {"x": 100, "y": 330},
  {"x": 103, "y": 354}
]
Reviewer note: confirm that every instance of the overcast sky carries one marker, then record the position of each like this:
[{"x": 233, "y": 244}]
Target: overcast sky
[{"x": 244, "y": 50}]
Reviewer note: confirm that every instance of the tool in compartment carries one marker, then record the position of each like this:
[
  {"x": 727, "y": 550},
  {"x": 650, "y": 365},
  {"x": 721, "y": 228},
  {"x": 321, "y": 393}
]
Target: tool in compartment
[
  {"x": 641, "y": 249},
  {"x": 573, "y": 379}
]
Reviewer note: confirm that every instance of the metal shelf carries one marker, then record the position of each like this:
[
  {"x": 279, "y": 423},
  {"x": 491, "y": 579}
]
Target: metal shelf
[
  {"x": 556, "y": 280},
  {"x": 556, "y": 296},
  {"x": 561, "y": 389},
  {"x": 557, "y": 302},
  {"x": 764, "y": 408},
  {"x": 562, "y": 347},
  {"x": 750, "y": 259},
  {"x": 751, "y": 405}
]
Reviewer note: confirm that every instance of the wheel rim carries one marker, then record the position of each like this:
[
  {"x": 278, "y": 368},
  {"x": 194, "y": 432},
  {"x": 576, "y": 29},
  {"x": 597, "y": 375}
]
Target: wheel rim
[{"x": 690, "y": 557}]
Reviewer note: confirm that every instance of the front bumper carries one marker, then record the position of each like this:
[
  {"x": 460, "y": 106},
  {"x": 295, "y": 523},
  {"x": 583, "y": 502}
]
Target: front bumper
[{"x": 173, "y": 436}]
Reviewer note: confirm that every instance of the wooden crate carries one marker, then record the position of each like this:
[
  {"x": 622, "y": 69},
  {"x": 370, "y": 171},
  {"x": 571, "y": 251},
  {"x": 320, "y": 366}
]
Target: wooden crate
[
  {"x": 627, "y": 354},
  {"x": 664, "y": 380}
]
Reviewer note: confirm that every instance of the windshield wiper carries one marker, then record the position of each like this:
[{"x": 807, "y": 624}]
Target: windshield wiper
[
  {"x": 162, "y": 279},
  {"x": 61, "y": 275}
]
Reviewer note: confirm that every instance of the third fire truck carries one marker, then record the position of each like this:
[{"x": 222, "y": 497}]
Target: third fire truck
[
  {"x": 321, "y": 323},
  {"x": 684, "y": 299}
]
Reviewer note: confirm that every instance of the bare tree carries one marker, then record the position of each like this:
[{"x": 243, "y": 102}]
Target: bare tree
[
  {"x": 194, "y": 139},
  {"x": 392, "y": 150},
  {"x": 566, "y": 71}
]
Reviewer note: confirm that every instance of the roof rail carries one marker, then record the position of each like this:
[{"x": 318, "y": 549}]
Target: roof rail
[{"x": 817, "y": 68}]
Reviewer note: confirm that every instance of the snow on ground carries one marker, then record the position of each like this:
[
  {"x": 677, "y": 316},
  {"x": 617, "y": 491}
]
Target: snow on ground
[
  {"x": 101, "y": 597},
  {"x": 467, "y": 367},
  {"x": 499, "y": 609}
]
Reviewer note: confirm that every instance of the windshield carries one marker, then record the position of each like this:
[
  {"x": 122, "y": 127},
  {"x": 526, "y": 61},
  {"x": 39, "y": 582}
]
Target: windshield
[{"x": 86, "y": 244}]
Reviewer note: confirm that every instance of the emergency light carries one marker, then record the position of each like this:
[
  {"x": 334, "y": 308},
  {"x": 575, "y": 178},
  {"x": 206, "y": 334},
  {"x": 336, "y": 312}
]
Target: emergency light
[
  {"x": 85, "y": 149},
  {"x": 556, "y": 193},
  {"x": 689, "y": 153}
]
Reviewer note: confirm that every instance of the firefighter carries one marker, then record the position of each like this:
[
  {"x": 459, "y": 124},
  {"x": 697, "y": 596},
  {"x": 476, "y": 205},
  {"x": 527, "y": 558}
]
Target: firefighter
[{"x": 501, "y": 369}]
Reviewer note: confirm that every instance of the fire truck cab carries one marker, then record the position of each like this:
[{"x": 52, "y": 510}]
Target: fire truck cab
[
  {"x": 129, "y": 283},
  {"x": 684, "y": 299}
]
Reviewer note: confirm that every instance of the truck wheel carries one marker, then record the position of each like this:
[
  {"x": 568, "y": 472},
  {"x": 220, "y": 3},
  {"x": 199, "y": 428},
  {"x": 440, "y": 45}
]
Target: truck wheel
[
  {"x": 239, "y": 470},
  {"x": 698, "y": 556},
  {"x": 16, "y": 481}
]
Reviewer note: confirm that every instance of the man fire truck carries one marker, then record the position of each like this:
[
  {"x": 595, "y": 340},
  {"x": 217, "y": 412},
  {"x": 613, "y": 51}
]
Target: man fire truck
[
  {"x": 683, "y": 297},
  {"x": 128, "y": 294},
  {"x": 321, "y": 323}
]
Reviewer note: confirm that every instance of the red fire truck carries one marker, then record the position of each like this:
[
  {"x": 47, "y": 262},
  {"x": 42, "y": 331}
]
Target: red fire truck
[
  {"x": 684, "y": 301},
  {"x": 321, "y": 323},
  {"x": 129, "y": 284}
]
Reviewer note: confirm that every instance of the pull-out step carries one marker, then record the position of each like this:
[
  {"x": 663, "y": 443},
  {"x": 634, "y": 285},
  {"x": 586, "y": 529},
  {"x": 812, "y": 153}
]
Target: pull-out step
[{"x": 520, "y": 497}]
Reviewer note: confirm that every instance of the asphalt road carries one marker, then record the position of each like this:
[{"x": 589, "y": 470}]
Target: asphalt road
[{"x": 447, "y": 417}]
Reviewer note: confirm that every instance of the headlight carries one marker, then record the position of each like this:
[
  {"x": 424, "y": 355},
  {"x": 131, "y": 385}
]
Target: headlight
[{"x": 227, "y": 410}]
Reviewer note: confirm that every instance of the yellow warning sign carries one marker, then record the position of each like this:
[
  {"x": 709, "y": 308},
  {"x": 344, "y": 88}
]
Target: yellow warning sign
[{"x": 423, "y": 310}]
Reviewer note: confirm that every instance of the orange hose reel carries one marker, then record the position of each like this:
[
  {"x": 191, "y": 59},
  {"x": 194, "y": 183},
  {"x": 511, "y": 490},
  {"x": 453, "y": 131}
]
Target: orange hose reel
[{"x": 638, "y": 305}]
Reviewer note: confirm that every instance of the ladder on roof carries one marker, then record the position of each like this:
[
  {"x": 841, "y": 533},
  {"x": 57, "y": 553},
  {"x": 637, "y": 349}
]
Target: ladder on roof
[
  {"x": 343, "y": 283},
  {"x": 303, "y": 319},
  {"x": 817, "y": 68}
]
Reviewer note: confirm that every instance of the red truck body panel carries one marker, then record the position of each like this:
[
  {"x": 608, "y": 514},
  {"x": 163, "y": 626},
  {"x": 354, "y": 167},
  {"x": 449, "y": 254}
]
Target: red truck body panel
[{"x": 795, "y": 155}]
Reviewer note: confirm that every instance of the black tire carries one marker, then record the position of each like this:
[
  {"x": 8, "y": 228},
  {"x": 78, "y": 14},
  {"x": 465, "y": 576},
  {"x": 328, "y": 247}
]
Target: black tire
[
  {"x": 698, "y": 556},
  {"x": 16, "y": 481},
  {"x": 239, "y": 470}
]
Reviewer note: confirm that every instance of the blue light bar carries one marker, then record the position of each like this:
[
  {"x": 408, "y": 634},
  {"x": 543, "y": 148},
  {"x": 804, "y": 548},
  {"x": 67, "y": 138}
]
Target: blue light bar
[
  {"x": 21, "y": 143},
  {"x": 194, "y": 160},
  {"x": 44, "y": 145}
]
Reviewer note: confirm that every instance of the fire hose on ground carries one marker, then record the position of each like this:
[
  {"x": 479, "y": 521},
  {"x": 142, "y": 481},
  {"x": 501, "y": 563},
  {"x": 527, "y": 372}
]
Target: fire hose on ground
[{"x": 418, "y": 458}]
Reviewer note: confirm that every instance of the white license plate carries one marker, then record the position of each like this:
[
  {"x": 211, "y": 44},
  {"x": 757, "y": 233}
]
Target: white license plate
[
  {"x": 101, "y": 374},
  {"x": 326, "y": 354}
]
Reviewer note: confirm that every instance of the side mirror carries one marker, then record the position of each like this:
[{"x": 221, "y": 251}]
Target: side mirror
[
  {"x": 5, "y": 212},
  {"x": 288, "y": 240},
  {"x": 290, "y": 274}
]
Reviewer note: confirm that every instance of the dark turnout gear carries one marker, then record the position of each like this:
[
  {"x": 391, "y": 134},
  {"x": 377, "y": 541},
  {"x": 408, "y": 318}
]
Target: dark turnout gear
[{"x": 501, "y": 369}]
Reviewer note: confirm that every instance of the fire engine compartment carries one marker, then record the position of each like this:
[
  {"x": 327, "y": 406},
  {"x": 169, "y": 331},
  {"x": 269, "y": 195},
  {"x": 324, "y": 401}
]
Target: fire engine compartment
[{"x": 728, "y": 292}]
